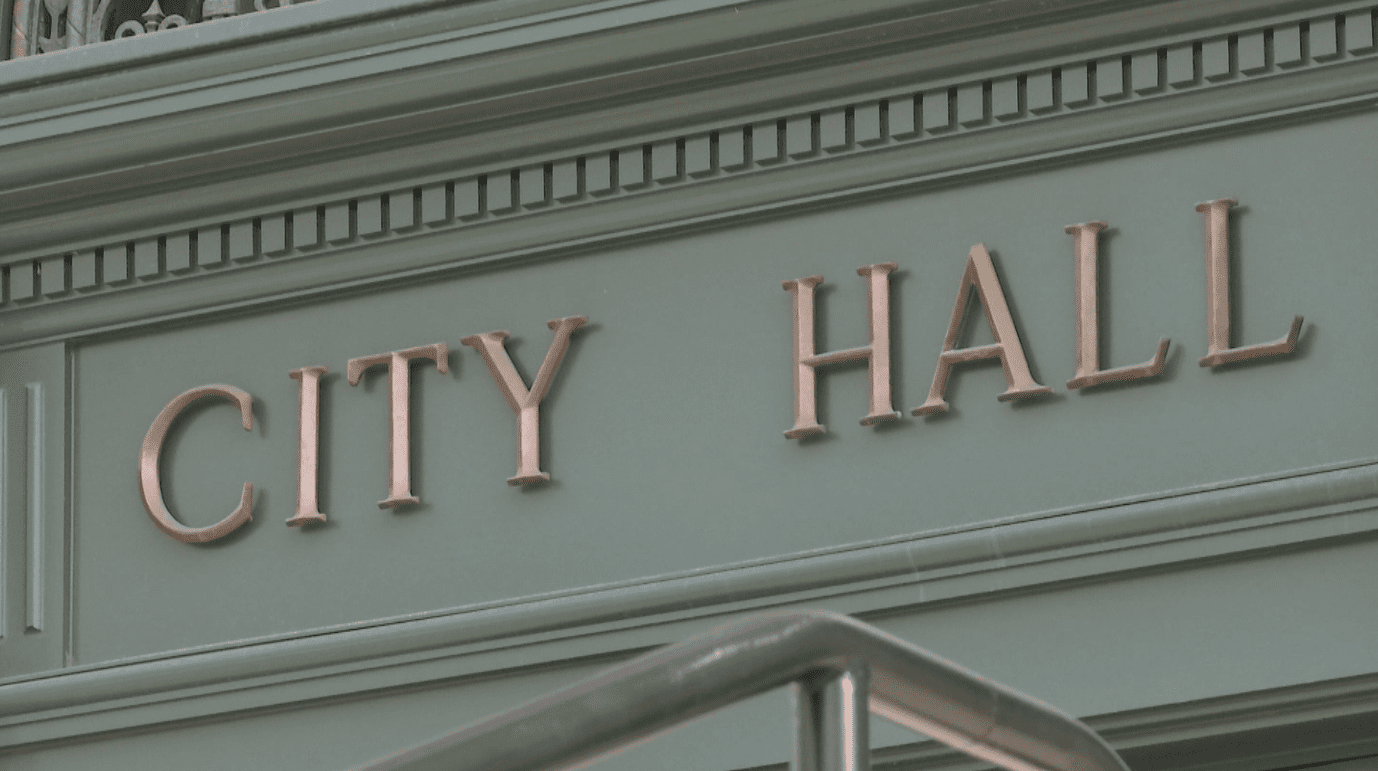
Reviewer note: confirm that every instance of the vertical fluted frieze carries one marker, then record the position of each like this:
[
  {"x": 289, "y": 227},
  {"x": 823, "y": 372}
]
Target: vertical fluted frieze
[
  {"x": 368, "y": 216},
  {"x": 564, "y": 179},
  {"x": 1039, "y": 94},
  {"x": 272, "y": 234},
  {"x": 1359, "y": 33},
  {"x": 52, "y": 275},
  {"x": 1076, "y": 85},
  {"x": 531, "y": 186},
  {"x": 502, "y": 194},
  {"x": 732, "y": 144},
  {"x": 832, "y": 129},
  {"x": 1324, "y": 39},
  {"x": 1287, "y": 45},
  {"x": 146, "y": 258},
  {"x": 466, "y": 198},
  {"x": 177, "y": 252},
  {"x": 1004, "y": 98},
  {"x": 633, "y": 167},
  {"x": 1181, "y": 66},
  {"x": 698, "y": 155},
  {"x": 1252, "y": 53},
  {"x": 866, "y": 124},
  {"x": 598, "y": 173},
  {"x": 84, "y": 270},
  {"x": 402, "y": 210},
  {"x": 937, "y": 111},
  {"x": 665, "y": 161},
  {"x": 765, "y": 143},
  {"x": 21, "y": 281},
  {"x": 902, "y": 115},
  {"x": 337, "y": 229},
  {"x": 971, "y": 104}
]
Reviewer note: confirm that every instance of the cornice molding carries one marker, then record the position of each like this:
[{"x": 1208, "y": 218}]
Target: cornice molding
[
  {"x": 1316, "y": 61},
  {"x": 426, "y": 65},
  {"x": 456, "y": 88},
  {"x": 961, "y": 565}
]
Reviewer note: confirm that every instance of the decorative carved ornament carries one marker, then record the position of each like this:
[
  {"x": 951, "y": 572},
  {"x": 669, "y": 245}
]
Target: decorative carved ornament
[{"x": 45, "y": 26}]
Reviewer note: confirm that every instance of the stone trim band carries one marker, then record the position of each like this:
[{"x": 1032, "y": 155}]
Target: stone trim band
[{"x": 808, "y": 137}]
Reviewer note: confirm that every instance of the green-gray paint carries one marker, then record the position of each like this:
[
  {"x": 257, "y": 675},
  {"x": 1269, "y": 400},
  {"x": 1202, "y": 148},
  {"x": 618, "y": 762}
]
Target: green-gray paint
[
  {"x": 1120, "y": 553},
  {"x": 663, "y": 430}
]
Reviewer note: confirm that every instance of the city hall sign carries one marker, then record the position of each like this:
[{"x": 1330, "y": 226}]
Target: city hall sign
[{"x": 979, "y": 277}]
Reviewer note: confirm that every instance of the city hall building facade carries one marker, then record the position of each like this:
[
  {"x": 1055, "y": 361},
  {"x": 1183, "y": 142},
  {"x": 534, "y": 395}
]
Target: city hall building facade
[{"x": 368, "y": 368}]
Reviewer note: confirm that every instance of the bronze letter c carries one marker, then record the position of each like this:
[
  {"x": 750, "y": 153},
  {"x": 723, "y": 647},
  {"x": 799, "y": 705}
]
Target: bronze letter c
[{"x": 152, "y": 449}]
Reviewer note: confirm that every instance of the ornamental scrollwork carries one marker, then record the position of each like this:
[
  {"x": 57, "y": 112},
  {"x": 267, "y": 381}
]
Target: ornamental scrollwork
[
  {"x": 46, "y": 26},
  {"x": 154, "y": 20}
]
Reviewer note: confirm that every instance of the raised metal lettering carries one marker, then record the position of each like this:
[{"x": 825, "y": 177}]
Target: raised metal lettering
[
  {"x": 399, "y": 411},
  {"x": 980, "y": 275},
  {"x": 1218, "y": 293},
  {"x": 525, "y": 403},
  {"x": 1089, "y": 372},
  {"x": 151, "y": 451},
  {"x": 308, "y": 444},
  {"x": 876, "y": 353}
]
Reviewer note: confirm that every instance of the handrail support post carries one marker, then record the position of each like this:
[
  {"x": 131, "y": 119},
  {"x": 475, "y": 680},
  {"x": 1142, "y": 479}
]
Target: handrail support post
[{"x": 832, "y": 721}]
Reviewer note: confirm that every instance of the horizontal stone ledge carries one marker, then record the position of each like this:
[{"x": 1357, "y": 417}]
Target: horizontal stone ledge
[
  {"x": 191, "y": 271},
  {"x": 945, "y": 108},
  {"x": 991, "y": 546}
]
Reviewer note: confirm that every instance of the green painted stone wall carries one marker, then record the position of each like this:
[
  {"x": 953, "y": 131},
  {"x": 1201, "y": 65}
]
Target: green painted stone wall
[
  {"x": 1183, "y": 562},
  {"x": 1118, "y": 645},
  {"x": 663, "y": 430}
]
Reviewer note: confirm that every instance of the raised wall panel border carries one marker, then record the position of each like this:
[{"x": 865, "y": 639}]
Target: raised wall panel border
[
  {"x": 1000, "y": 101},
  {"x": 35, "y": 525},
  {"x": 4, "y": 511},
  {"x": 967, "y": 564}
]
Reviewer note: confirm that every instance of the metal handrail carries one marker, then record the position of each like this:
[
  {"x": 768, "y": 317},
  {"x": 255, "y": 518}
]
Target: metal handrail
[{"x": 838, "y": 668}]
